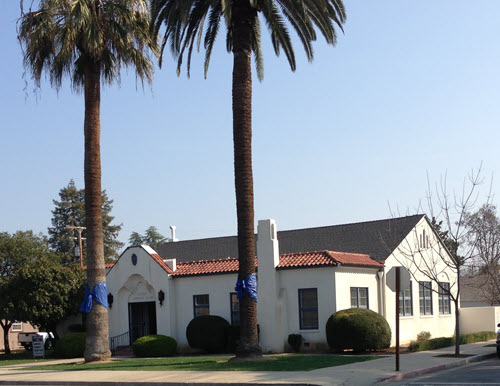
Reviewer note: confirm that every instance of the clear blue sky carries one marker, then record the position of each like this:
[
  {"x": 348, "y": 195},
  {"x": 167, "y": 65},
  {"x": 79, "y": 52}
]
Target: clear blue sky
[{"x": 412, "y": 87}]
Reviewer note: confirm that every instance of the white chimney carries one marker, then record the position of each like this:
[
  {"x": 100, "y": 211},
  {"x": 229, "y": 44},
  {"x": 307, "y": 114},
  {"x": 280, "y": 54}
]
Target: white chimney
[
  {"x": 171, "y": 263},
  {"x": 173, "y": 239},
  {"x": 270, "y": 307}
]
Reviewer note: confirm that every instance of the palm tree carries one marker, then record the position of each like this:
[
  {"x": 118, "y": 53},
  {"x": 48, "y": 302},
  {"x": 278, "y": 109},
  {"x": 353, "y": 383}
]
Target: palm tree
[
  {"x": 184, "y": 23},
  {"x": 89, "y": 40}
]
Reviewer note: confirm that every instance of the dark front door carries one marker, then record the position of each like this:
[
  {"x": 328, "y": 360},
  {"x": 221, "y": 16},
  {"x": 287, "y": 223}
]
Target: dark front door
[{"x": 142, "y": 320}]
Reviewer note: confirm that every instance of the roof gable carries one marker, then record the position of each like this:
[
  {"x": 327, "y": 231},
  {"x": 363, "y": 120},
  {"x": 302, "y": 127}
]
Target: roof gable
[{"x": 151, "y": 252}]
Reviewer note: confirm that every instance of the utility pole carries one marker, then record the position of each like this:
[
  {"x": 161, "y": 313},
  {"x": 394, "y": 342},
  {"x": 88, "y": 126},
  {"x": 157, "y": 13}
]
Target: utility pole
[{"x": 79, "y": 229}]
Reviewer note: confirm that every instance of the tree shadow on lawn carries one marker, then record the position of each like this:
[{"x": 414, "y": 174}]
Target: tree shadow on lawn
[{"x": 290, "y": 362}]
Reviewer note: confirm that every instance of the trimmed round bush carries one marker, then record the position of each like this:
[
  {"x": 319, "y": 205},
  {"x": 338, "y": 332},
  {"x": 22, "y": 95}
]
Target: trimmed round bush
[
  {"x": 71, "y": 345},
  {"x": 154, "y": 346},
  {"x": 358, "y": 329},
  {"x": 207, "y": 332}
]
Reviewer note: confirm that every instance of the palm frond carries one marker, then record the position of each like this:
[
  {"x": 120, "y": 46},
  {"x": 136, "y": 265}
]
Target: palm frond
[
  {"x": 211, "y": 34},
  {"x": 183, "y": 18},
  {"x": 257, "y": 50},
  {"x": 64, "y": 36},
  {"x": 279, "y": 33}
]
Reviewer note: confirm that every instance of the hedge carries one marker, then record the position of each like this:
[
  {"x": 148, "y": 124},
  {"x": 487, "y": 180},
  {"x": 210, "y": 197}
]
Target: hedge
[
  {"x": 359, "y": 329},
  {"x": 154, "y": 346},
  {"x": 208, "y": 332},
  {"x": 434, "y": 344},
  {"x": 71, "y": 345}
]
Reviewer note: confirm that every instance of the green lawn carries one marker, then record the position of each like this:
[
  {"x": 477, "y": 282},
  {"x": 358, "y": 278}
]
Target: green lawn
[{"x": 216, "y": 363}]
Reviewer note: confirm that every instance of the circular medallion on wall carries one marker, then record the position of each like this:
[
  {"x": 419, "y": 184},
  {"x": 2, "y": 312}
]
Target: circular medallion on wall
[{"x": 134, "y": 259}]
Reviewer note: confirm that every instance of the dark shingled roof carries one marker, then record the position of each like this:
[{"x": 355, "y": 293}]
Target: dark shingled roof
[{"x": 375, "y": 238}]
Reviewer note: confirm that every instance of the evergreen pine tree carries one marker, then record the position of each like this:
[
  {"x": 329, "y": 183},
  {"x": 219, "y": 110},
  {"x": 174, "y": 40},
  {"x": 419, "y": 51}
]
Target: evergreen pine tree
[{"x": 70, "y": 210}]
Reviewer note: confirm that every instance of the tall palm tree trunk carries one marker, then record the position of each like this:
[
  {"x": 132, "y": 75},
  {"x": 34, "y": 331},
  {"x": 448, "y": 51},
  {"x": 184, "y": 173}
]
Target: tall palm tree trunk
[
  {"x": 97, "y": 340},
  {"x": 242, "y": 20}
]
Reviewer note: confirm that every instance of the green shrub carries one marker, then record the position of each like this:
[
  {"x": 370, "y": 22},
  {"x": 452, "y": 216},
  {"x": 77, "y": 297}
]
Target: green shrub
[
  {"x": 154, "y": 346},
  {"x": 71, "y": 345},
  {"x": 358, "y": 329},
  {"x": 434, "y": 344},
  {"x": 207, "y": 332},
  {"x": 423, "y": 335},
  {"x": 474, "y": 337},
  {"x": 295, "y": 341}
]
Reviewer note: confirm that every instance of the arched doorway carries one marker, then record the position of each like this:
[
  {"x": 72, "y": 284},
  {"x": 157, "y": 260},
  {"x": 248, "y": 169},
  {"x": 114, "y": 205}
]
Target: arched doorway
[{"x": 141, "y": 311}]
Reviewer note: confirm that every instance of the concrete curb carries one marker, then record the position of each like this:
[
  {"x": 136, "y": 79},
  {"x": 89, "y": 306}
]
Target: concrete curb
[
  {"x": 415, "y": 373},
  {"x": 125, "y": 383}
]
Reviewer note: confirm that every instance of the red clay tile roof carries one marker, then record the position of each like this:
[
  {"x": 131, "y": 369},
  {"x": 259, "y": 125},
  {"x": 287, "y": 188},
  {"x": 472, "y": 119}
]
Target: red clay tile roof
[
  {"x": 156, "y": 257},
  {"x": 106, "y": 266},
  {"x": 292, "y": 260},
  {"x": 322, "y": 258},
  {"x": 207, "y": 267}
]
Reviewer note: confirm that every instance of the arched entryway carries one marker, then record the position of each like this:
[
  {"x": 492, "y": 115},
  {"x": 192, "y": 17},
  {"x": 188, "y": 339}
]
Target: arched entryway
[{"x": 141, "y": 308}]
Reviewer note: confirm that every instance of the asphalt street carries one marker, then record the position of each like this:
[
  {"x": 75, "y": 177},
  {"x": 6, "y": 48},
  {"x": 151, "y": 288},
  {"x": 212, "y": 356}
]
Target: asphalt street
[{"x": 481, "y": 373}]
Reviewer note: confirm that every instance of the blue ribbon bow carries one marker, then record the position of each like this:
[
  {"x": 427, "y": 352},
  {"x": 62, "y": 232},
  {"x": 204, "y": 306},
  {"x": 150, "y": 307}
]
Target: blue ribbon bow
[
  {"x": 99, "y": 294},
  {"x": 249, "y": 285}
]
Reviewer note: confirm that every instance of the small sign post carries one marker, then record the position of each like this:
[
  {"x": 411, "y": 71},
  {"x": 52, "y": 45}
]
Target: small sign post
[
  {"x": 398, "y": 289},
  {"x": 38, "y": 347},
  {"x": 398, "y": 278}
]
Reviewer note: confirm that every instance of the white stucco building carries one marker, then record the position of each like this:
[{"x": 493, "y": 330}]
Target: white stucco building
[{"x": 304, "y": 276}]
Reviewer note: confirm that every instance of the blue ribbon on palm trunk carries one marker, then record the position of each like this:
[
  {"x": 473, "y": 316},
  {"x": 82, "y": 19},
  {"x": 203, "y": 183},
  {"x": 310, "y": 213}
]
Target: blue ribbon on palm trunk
[
  {"x": 99, "y": 294},
  {"x": 249, "y": 285}
]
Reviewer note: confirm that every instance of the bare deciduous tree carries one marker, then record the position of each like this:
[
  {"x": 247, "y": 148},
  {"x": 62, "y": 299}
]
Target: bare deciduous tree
[
  {"x": 484, "y": 238},
  {"x": 441, "y": 256}
]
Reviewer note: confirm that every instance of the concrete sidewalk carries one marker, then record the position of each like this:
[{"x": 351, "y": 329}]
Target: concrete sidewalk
[{"x": 380, "y": 370}]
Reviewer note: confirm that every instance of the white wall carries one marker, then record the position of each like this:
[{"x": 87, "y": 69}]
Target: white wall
[
  {"x": 218, "y": 288},
  {"x": 479, "y": 319},
  {"x": 410, "y": 255},
  {"x": 347, "y": 277},
  {"x": 130, "y": 283},
  {"x": 323, "y": 279}
]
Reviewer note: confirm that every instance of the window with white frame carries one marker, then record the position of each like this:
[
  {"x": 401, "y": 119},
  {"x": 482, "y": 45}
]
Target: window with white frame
[
  {"x": 17, "y": 327},
  {"x": 406, "y": 302},
  {"x": 201, "y": 305},
  {"x": 359, "y": 297},
  {"x": 444, "y": 298},
  {"x": 308, "y": 308},
  {"x": 425, "y": 297}
]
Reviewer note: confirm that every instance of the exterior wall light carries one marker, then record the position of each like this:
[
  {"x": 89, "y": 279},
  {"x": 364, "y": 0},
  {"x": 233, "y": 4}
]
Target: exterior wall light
[
  {"x": 110, "y": 300},
  {"x": 161, "y": 297}
]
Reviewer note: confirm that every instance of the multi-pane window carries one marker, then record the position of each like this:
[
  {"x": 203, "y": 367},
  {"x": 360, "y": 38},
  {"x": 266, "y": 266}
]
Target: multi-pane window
[
  {"x": 201, "y": 305},
  {"x": 425, "y": 297},
  {"x": 359, "y": 297},
  {"x": 308, "y": 308},
  {"x": 406, "y": 302},
  {"x": 235, "y": 308},
  {"x": 17, "y": 326},
  {"x": 444, "y": 298}
]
